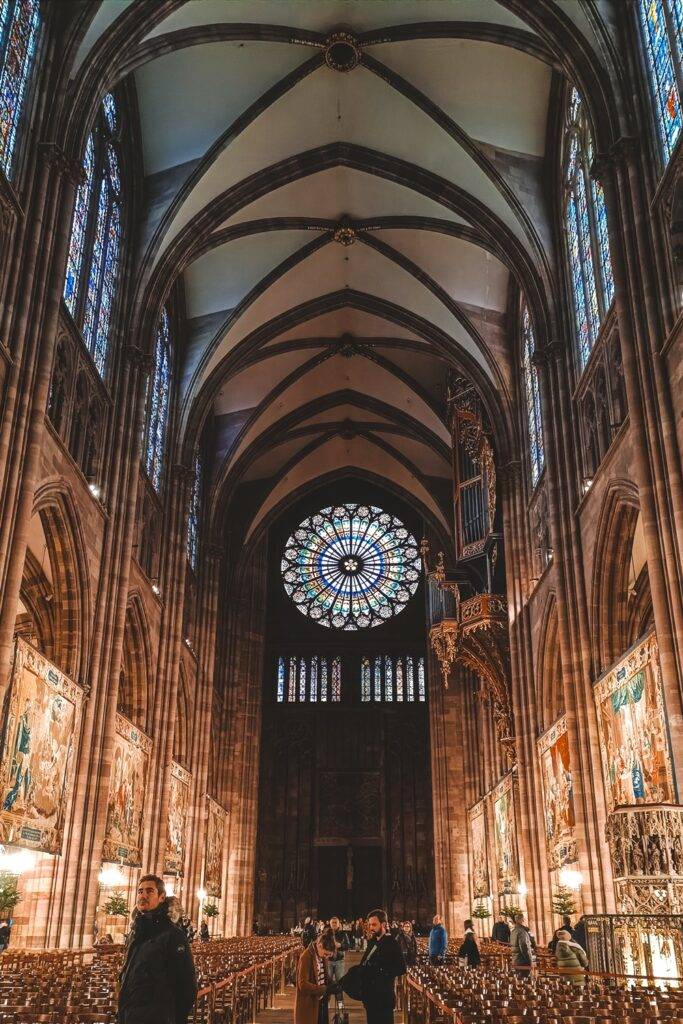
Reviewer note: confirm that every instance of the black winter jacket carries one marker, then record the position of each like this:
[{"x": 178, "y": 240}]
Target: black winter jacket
[
  {"x": 158, "y": 981},
  {"x": 382, "y": 963}
]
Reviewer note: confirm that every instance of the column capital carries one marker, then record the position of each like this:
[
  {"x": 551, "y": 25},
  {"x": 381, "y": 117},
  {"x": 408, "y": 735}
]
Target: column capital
[
  {"x": 547, "y": 354},
  {"x": 182, "y": 474},
  {"x": 65, "y": 165},
  {"x": 138, "y": 358}
]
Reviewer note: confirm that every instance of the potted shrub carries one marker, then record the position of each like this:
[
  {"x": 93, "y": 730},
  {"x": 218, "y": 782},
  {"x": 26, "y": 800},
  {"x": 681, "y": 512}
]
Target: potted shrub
[{"x": 9, "y": 894}]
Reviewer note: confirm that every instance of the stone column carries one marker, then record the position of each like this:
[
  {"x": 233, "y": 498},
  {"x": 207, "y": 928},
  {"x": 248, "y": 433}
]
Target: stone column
[
  {"x": 195, "y": 828},
  {"x": 172, "y": 582},
  {"x": 73, "y": 912}
]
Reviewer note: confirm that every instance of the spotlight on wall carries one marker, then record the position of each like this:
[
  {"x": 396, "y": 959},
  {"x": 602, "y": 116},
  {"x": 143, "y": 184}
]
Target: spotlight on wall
[
  {"x": 16, "y": 861},
  {"x": 522, "y": 889},
  {"x": 202, "y": 894},
  {"x": 94, "y": 490},
  {"x": 110, "y": 876},
  {"x": 587, "y": 484},
  {"x": 571, "y": 879},
  {"x": 155, "y": 588},
  {"x": 169, "y": 886}
]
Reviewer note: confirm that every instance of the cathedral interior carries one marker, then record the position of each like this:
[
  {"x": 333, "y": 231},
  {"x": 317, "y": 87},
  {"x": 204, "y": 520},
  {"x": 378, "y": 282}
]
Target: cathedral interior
[{"x": 341, "y": 492}]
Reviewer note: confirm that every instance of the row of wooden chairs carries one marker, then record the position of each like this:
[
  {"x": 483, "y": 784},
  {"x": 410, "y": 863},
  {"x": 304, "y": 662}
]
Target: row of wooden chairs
[
  {"x": 237, "y": 978},
  {"x": 495, "y": 993}
]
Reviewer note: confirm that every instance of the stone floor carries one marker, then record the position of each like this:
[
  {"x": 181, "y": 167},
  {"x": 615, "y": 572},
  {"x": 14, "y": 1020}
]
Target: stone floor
[{"x": 283, "y": 1011}]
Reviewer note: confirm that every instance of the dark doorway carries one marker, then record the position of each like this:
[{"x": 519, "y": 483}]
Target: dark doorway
[
  {"x": 368, "y": 890},
  {"x": 332, "y": 894}
]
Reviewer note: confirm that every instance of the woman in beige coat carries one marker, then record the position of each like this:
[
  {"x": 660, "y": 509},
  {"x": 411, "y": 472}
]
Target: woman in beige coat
[{"x": 313, "y": 984}]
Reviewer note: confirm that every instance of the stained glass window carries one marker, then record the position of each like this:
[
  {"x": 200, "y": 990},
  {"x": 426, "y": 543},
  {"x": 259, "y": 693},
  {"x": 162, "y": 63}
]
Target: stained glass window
[
  {"x": 532, "y": 399},
  {"x": 351, "y": 566},
  {"x": 304, "y": 679},
  {"x": 391, "y": 678},
  {"x": 19, "y": 28},
  {"x": 157, "y": 402},
  {"x": 365, "y": 680},
  {"x": 661, "y": 22},
  {"x": 93, "y": 262},
  {"x": 590, "y": 265},
  {"x": 193, "y": 517}
]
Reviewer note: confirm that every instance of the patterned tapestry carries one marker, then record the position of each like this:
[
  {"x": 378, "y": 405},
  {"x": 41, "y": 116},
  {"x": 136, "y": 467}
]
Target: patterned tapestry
[
  {"x": 558, "y": 796},
  {"x": 505, "y": 834},
  {"x": 634, "y": 740},
  {"x": 213, "y": 866},
  {"x": 40, "y": 736},
  {"x": 179, "y": 798},
  {"x": 481, "y": 885},
  {"x": 129, "y": 776}
]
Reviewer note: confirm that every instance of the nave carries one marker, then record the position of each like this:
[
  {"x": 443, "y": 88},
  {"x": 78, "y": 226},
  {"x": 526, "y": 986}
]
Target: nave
[{"x": 341, "y": 489}]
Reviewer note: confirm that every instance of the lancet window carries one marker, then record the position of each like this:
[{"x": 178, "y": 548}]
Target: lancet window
[
  {"x": 19, "y": 31},
  {"x": 661, "y": 23},
  {"x": 532, "y": 399},
  {"x": 195, "y": 508},
  {"x": 158, "y": 403},
  {"x": 585, "y": 215},
  {"x": 93, "y": 263}
]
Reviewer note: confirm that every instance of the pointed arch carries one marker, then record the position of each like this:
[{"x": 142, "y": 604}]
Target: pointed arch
[
  {"x": 549, "y": 689},
  {"x": 612, "y": 567},
  {"x": 70, "y": 583},
  {"x": 133, "y": 700},
  {"x": 182, "y": 739}
]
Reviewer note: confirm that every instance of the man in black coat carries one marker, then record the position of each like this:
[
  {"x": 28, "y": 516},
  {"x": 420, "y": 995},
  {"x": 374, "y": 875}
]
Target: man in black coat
[
  {"x": 381, "y": 965},
  {"x": 158, "y": 982}
]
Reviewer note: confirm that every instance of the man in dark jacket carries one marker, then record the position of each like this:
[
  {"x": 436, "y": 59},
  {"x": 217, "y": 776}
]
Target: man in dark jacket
[
  {"x": 382, "y": 963},
  {"x": 158, "y": 982},
  {"x": 501, "y": 930}
]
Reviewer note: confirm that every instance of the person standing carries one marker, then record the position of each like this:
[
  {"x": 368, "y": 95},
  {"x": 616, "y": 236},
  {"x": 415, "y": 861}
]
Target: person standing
[
  {"x": 438, "y": 941},
  {"x": 570, "y": 957},
  {"x": 204, "y": 932},
  {"x": 566, "y": 926},
  {"x": 341, "y": 943},
  {"x": 313, "y": 984},
  {"x": 308, "y": 932},
  {"x": 469, "y": 950},
  {"x": 5, "y": 931},
  {"x": 408, "y": 943},
  {"x": 501, "y": 930},
  {"x": 381, "y": 965},
  {"x": 158, "y": 981},
  {"x": 520, "y": 944}
]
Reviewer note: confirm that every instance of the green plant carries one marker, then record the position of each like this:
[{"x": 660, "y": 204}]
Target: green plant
[
  {"x": 564, "y": 903},
  {"x": 481, "y": 912},
  {"x": 210, "y": 910},
  {"x": 511, "y": 911},
  {"x": 9, "y": 892},
  {"x": 116, "y": 905}
]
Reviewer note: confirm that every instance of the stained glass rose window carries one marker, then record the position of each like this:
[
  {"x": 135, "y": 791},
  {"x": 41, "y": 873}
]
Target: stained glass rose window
[{"x": 351, "y": 566}]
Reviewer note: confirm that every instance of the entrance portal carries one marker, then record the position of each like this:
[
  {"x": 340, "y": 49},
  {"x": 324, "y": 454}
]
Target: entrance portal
[{"x": 349, "y": 880}]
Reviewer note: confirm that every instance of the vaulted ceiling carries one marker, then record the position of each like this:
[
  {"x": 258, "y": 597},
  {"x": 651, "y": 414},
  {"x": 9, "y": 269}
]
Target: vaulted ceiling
[{"x": 344, "y": 236}]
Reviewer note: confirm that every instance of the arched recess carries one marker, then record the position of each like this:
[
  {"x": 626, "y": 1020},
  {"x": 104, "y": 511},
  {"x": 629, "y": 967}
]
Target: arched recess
[
  {"x": 35, "y": 613},
  {"x": 133, "y": 699},
  {"x": 70, "y": 604},
  {"x": 621, "y": 607},
  {"x": 182, "y": 736},
  {"x": 550, "y": 693}
]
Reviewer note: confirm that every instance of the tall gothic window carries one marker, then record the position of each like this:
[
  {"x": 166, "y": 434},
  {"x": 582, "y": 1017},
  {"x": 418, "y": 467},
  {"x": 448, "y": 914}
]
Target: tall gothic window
[
  {"x": 93, "y": 263},
  {"x": 157, "y": 404},
  {"x": 661, "y": 23},
  {"x": 193, "y": 518},
  {"x": 590, "y": 267},
  {"x": 532, "y": 399},
  {"x": 19, "y": 25}
]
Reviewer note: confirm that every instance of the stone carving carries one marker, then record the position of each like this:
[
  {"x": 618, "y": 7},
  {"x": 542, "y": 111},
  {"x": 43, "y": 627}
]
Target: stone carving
[
  {"x": 646, "y": 847},
  {"x": 349, "y": 804}
]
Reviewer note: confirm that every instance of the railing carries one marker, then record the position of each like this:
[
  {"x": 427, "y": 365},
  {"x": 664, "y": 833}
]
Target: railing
[{"x": 245, "y": 993}]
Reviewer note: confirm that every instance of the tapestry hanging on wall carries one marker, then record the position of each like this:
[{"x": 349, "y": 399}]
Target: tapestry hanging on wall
[
  {"x": 505, "y": 835},
  {"x": 481, "y": 885},
  {"x": 40, "y": 736},
  {"x": 213, "y": 866},
  {"x": 178, "y": 801},
  {"x": 129, "y": 776},
  {"x": 634, "y": 741},
  {"x": 558, "y": 795}
]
